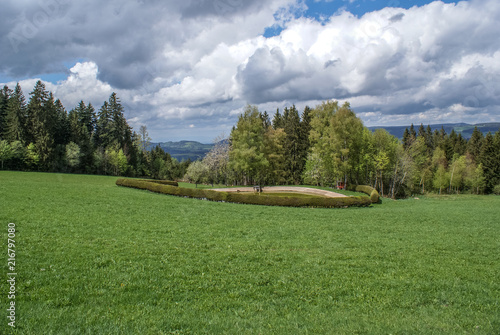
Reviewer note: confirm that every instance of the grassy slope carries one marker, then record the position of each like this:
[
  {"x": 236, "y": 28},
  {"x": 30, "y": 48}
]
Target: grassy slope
[{"x": 95, "y": 258}]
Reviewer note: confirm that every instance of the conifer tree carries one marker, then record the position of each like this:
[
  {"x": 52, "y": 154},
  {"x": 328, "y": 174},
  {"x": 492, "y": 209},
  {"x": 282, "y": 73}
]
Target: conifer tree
[
  {"x": 421, "y": 131},
  {"x": 5, "y": 94},
  {"x": 429, "y": 140},
  {"x": 40, "y": 123},
  {"x": 406, "y": 139},
  {"x": 277, "y": 120},
  {"x": 103, "y": 127},
  {"x": 474, "y": 144},
  {"x": 487, "y": 158},
  {"x": 293, "y": 155},
  {"x": 15, "y": 117},
  {"x": 265, "y": 120}
]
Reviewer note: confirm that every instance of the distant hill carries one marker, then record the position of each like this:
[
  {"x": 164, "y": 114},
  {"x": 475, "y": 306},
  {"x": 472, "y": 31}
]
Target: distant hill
[
  {"x": 463, "y": 128},
  {"x": 184, "y": 150}
]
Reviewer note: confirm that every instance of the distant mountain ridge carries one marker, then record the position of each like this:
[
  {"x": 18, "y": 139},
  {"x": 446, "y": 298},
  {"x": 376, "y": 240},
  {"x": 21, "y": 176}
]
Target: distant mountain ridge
[
  {"x": 184, "y": 150},
  {"x": 463, "y": 128}
]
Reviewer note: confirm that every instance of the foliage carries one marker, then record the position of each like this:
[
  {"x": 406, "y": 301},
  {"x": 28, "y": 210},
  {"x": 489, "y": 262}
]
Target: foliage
[
  {"x": 372, "y": 192},
  {"x": 496, "y": 189},
  {"x": 48, "y": 138}
]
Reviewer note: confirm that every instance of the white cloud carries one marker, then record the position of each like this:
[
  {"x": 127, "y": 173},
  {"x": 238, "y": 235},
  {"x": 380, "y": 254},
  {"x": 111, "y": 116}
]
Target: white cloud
[
  {"x": 82, "y": 83},
  {"x": 193, "y": 63}
]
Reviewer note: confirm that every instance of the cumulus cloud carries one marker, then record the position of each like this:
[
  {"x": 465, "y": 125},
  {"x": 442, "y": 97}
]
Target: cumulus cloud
[{"x": 183, "y": 68}]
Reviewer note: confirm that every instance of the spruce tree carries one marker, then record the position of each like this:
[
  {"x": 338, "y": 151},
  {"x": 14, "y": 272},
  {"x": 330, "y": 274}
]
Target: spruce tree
[
  {"x": 277, "y": 120},
  {"x": 421, "y": 131},
  {"x": 5, "y": 94},
  {"x": 413, "y": 133},
  {"x": 15, "y": 117},
  {"x": 103, "y": 127},
  {"x": 406, "y": 139},
  {"x": 35, "y": 120},
  {"x": 265, "y": 120},
  {"x": 488, "y": 159},
  {"x": 474, "y": 144},
  {"x": 293, "y": 156},
  {"x": 460, "y": 145},
  {"x": 429, "y": 140}
]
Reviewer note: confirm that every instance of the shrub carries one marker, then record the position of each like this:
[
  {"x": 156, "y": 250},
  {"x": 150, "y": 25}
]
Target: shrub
[
  {"x": 245, "y": 198},
  {"x": 496, "y": 189},
  {"x": 162, "y": 182},
  {"x": 373, "y": 193}
]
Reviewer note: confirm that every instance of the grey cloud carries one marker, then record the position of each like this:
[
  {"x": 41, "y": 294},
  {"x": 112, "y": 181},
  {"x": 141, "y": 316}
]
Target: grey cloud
[{"x": 397, "y": 17}]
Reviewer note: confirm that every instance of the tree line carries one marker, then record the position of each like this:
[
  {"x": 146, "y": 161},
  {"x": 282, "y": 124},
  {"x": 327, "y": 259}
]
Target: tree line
[
  {"x": 40, "y": 135},
  {"x": 330, "y": 146}
]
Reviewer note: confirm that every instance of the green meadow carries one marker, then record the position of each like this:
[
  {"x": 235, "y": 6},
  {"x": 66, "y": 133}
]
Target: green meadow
[{"x": 95, "y": 258}]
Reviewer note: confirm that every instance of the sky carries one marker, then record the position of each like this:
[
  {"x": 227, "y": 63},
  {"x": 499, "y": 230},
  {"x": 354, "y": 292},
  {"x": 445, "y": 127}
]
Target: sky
[{"x": 187, "y": 69}]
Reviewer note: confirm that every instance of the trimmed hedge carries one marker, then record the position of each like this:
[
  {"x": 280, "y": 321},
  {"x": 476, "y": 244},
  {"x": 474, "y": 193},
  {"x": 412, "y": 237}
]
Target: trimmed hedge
[
  {"x": 162, "y": 182},
  {"x": 245, "y": 198},
  {"x": 373, "y": 193}
]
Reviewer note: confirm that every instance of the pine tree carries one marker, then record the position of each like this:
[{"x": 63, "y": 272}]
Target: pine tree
[
  {"x": 5, "y": 94},
  {"x": 278, "y": 120},
  {"x": 406, "y": 139},
  {"x": 429, "y": 140},
  {"x": 103, "y": 137},
  {"x": 460, "y": 145},
  {"x": 62, "y": 130},
  {"x": 293, "y": 156},
  {"x": 15, "y": 117},
  {"x": 421, "y": 131},
  {"x": 265, "y": 120},
  {"x": 35, "y": 120},
  {"x": 474, "y": 144},
  {"x": 488, "y": 159},
  {"x": 413, "y": 133},
  {"x": 119, "y": 126},
  {"x": 304, "y": 143}
]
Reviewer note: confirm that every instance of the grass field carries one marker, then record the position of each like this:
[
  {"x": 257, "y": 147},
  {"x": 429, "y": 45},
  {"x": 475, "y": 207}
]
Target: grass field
[{"x": 94, "y": 258}]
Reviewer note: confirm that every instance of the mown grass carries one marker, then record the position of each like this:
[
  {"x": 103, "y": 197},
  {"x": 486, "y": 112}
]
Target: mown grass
[{"x": 94, "y": 258}]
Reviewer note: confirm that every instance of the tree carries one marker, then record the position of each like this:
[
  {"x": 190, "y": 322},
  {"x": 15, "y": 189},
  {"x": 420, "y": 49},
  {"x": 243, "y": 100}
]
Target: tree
[
  {"x": 32, "y": 158},
  {"x": 103, "y": 127},
  {"x": 474, "y": 144},
  {"x": 15, "y": 116},
  {"x": 319, "y": 137},
  {"x": 72, "y": 155},
  {"x": 247, "y": 147},
  {"x": 294, "y": 158},
  {"x": 441, "y": 178},
  {"x": 488, "y": 158},
  {"x": 382, "y": 156},
  {"x": 274, "y": 152},
  {"x": 278, "y": 120},
  {"x": 217, "y": 160},
  {"x": 346, "y": 139},
  {"x": 5, "y": 95},
  {"x": 5, "y": 152},
  {"x": 196, "y": 172},
  {"x": 117, "y": 160},
  {"x": 458, "y": 173},
  {"x": 145, "y": 140},
  {"x": 476, "y": 180}
]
